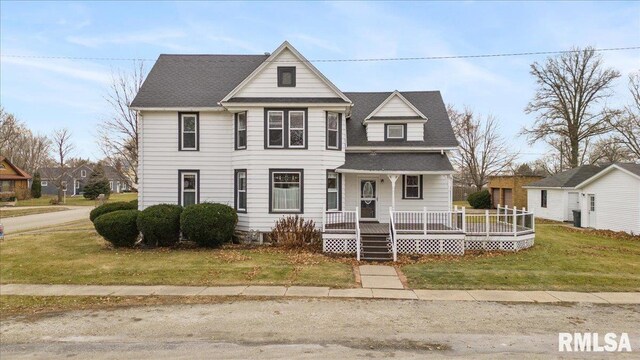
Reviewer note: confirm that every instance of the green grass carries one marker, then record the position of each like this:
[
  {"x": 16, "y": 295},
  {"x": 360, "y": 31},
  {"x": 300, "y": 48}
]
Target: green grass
[
  {"x": 560, "y": 260},
  {"x": 76, "y": 200},
  {"x": 75, "y": 254},
  {"x": 22, "y": 212}
]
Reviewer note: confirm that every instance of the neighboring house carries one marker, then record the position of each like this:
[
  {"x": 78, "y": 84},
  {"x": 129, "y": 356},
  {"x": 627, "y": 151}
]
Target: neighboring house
[
  {"x": 555, "y": 197},
  {"x": 611, "y": 199},
  {"x": 271, "y": 136},
  {"x": 507, "y": 190},
  {"x": 75, "y": 179},
  {"x": 13, "y": 180}
]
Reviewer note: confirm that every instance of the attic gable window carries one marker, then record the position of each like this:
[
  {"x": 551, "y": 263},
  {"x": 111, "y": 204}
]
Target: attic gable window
[
  {"x": 286, "y": 76},
  {"x": 395, "y": 131}
]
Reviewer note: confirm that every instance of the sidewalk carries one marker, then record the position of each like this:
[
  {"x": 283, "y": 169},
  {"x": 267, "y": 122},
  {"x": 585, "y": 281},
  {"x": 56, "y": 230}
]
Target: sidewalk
[{"x": 323, "y": 292}]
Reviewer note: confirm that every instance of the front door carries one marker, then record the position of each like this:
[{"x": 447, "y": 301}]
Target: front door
[
  {"x": 592, "y": 210},
  {"x": 368, "y": 199}
]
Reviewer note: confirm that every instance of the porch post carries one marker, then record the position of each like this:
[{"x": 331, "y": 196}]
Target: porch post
[{"x": 393, "y": 179}]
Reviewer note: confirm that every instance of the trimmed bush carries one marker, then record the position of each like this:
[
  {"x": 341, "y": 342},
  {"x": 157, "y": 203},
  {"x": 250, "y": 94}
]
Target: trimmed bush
[
  {"x": 110, "y": 207},
  {"x": 208, "y": 224},
  {"x": 480, "y": 199},
  {"x": 118, "y": 227},
  {"x": 160, "y": 224},
  {"x": 134, "y": 203}
]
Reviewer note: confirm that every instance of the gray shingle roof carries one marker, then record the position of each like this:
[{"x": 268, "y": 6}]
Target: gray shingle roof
[
  {"x": 569, "y": 178},
  {"x": 634, "y": 168},
  {"x": 437, "y": 130},
  {"x": 317, "y": 100},
  {"x": 396, "y": 162},
  {"x": 194, "y": 80}
]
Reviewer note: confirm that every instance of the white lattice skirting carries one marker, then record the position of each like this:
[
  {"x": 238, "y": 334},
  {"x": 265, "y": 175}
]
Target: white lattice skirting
[
  {"x": 339, "y": 243},
  {"x": 502, "y": 243},
  {"x": 440, "y": 245}
]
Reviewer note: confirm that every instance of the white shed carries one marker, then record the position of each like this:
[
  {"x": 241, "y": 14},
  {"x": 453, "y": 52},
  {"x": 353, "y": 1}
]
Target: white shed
[
  {"x": 555, "y": 197},
  {"x": 611, "y": 199}
]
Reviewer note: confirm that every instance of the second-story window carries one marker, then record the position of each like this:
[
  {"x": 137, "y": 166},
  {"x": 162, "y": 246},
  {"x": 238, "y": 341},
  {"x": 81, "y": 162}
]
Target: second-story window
[
  {"x": 286, "y": 76},
  {"x": 285, "y": 129},
  {"x": 275, "y": 131},
  {"x": 333, "y": 131},
  {"x": 296, "y": 129},
  {"x": 83, "y": 173},
  {"x": 241, "y": 130},
  {"x": 188, "y": 131}
]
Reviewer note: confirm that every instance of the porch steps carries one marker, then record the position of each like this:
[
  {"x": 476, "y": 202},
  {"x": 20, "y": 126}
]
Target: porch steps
[{"x": 376, "y": 248}]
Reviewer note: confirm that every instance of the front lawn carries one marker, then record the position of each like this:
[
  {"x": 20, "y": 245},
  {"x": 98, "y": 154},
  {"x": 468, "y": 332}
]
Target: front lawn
[
  {"x": 75, "y": 254},
  {"x": 560, "y": 260},
  {"x": 15, "y": 212},
  {"x": 78, "y": 200}
]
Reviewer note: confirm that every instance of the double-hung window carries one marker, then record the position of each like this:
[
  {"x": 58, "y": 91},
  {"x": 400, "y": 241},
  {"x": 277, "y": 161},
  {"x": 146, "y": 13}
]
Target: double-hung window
[
  {"x": 543, "y": 198},
  {"x": 188, "y": 131},
  {"x": 275, "y": 131},
  {"x": 83, "y": 173},
  {"x": 296, "y": 129},
  {"x": 333, "y": 131},
  {"x": 412, "y": 187},
  {"x": 286, "y": 191},
  {"x": 241, "y": 130},
  {"x": 285, "y": 129},
  {"x": 189, "y": 187},
  {"x": 241, "y": 190},
  {"x": 333, "y": 191}
]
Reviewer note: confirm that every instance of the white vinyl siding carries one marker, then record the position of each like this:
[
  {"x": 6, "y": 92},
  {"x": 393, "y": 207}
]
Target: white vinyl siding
[
  {"x": 415, "y": 131},
  {"x": 396, "y": 107},
  {"x": 375, "y": 132},
  {"x": 617, "y": 202},
  {"x": 557, "y": 201},
  {"x": 436, "y": 194},
  {"x": 265, "y": 83},
  {"x": 160, "y": 162}
]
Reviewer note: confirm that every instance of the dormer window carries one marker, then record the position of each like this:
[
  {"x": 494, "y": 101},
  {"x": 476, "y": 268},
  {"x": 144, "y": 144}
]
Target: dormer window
[
  {"x": 286, "y": 76},
  {"x": 395, "y": 131}
]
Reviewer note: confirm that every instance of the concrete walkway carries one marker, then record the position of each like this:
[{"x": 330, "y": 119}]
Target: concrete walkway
[
  {"x": 36, "y": 221},
  {"x": 323, "y": 292}
]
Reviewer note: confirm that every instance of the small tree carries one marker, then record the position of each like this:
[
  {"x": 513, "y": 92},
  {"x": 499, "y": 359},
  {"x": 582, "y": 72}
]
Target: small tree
[
  {"x": 36, "y": 187},
  {"x": 97, "y": 184},
  {"x": 61, "y": 151}
]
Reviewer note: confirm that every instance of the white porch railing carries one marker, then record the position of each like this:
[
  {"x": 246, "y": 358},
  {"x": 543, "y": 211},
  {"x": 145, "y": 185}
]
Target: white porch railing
[
  {"x": 394, "y": 235},
  {"x": 343, "y": 221},
  {"x": 428, "y": 222},
  {"x": 504, "y": 221}
]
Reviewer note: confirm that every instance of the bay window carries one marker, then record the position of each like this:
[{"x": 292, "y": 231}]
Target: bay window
[
  {"x": 333, "y": 131},
  {"x": 241, "y": 130}
]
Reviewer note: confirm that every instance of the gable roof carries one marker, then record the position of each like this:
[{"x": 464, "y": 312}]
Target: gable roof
[
  {"x": 396, "y": 93},
  {"x": 19, "y": 173},
  {"x": 629, "y": 168},
  {"x": 567, "y": 179},
  {"x": 47, "y": 173},
  {"x": 285, "y": 46},
  {"x": 194, "y": 80},
  {"x": 438, "y": 132}
]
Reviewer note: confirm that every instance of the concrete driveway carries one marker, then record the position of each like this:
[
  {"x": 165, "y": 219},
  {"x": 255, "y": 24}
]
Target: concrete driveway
[{"x": 36, "y": 221}]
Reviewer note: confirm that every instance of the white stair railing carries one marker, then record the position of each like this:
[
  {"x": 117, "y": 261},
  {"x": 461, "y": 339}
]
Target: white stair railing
[
  {"x": 357, "y": 234},
  {"x": 393, "y": 235}
]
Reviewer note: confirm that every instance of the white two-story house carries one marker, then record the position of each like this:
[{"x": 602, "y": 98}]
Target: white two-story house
[{"x": 271, "y": 136}]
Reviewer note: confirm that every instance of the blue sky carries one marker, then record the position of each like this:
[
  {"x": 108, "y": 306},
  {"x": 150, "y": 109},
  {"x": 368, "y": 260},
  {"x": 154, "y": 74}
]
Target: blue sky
[{"x": 49, "y": 93}]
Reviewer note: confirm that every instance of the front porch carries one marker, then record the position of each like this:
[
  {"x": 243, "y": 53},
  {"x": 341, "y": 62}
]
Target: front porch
[{"x": 427, "y": 232}]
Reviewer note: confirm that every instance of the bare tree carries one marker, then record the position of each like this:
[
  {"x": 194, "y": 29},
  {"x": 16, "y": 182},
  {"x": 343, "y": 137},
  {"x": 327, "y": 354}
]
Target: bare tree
[
  {"x": 23, "y": 148},
  {"x": 118, "y": 135},
  {"x": 571, "y": 88},
  {"x": 609, "y": 150},
  {"x": 61, "y": 151},
  {"x": 482, "y": 150},
  {"x": 626, "y": 125}
]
